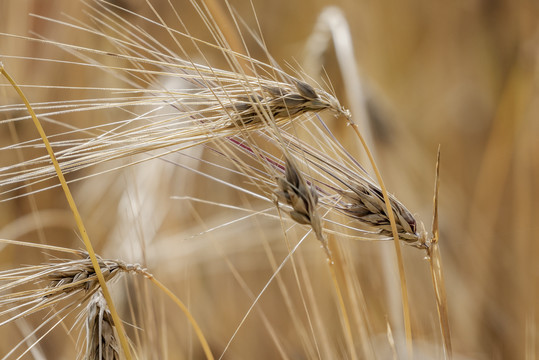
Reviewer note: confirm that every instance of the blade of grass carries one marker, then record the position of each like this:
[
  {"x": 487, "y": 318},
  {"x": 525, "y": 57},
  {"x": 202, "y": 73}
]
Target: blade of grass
[
  {"x": 435, "y": 262},
  {"x": 78, "y": 219}
]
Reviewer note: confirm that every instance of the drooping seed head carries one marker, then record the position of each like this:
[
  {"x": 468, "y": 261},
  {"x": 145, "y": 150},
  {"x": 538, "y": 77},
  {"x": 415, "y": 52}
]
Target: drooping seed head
[
  {"x": 281, "y": 101},
  {"x": 364, "y": 202},
  {"x": 294, "y": 191},
  {"x": 101, "y": 341}
]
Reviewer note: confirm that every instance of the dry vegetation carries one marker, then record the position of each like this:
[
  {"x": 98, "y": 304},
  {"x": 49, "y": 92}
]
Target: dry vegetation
[{"x": 231, "y": 171}]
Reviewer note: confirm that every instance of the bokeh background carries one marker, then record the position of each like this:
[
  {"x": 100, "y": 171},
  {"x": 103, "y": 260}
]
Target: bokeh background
[{"x": 463, "y": 74}]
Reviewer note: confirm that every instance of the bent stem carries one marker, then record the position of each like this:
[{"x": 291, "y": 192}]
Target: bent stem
[
  {"x": 400, "y": 262},
  {"x": 346, "y": 320},
  {"x": 84, "y": 235},
  {"x": 190, "y": 318}
]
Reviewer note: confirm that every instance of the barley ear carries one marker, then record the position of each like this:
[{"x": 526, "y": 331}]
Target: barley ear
[
  {"x": 101, "y": 340},
  {"x": 294, "y": 191}
]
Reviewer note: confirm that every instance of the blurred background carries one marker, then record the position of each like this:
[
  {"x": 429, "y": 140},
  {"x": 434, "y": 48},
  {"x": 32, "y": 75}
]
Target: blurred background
[{"x": 462, "y": 74}]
